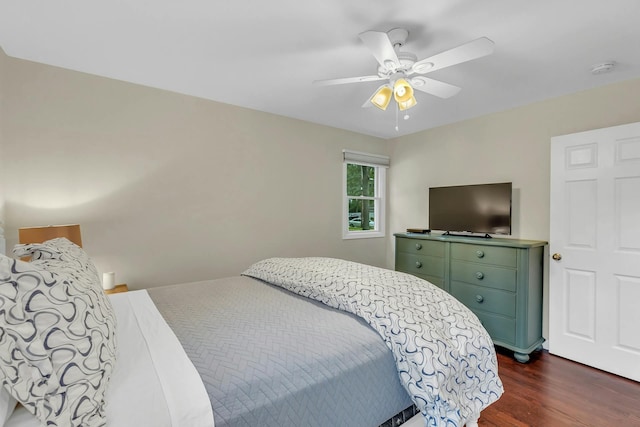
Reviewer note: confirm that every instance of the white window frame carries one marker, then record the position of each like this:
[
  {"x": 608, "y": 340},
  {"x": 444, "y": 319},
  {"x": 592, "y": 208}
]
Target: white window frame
[{"x": 380, "y": 163}]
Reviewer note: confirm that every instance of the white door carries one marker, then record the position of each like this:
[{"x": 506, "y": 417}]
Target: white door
[{"x": 594, "y": 273}]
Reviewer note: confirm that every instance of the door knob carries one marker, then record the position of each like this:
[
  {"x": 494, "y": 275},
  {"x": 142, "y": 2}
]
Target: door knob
[{"x": 556, "y": 256}]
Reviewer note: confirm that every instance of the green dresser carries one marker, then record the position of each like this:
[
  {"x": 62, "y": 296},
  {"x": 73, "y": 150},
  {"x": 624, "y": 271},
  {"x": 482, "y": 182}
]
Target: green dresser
[{"x": 500, "y": 280}]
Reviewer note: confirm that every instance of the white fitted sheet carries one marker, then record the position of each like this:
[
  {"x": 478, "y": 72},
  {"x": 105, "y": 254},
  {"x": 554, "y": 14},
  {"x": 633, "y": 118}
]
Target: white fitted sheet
[{"x": 154, "y": 383}]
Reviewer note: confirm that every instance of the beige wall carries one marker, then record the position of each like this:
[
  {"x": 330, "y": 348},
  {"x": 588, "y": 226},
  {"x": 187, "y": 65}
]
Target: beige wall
[{"x": 171, "y": 188}]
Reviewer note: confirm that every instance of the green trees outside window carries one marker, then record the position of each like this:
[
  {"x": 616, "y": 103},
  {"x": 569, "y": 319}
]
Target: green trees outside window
[{"x": 361, "y": 194}]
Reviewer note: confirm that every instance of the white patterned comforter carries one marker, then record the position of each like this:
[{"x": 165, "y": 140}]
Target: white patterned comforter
[{"x": 445, "y": 358}]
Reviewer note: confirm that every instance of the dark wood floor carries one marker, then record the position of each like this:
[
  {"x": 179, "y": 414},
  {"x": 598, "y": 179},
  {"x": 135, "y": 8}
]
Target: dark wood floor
[{"x": 550, "y": 391}]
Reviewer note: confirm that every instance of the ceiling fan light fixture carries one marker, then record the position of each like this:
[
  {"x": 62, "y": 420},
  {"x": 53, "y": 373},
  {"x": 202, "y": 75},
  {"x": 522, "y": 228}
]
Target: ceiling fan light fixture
[
  {"x": 382, "y": 97},
  {"x": 405, "y": 105},
  {"x": 402, "y": 91}
]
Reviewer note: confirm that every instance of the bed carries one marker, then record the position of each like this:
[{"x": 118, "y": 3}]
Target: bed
[{"x": 290, "y": 342}]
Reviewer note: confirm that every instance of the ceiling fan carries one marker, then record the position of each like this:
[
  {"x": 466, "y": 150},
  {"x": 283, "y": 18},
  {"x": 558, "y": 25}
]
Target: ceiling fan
[{"x": 403, "y": 72}]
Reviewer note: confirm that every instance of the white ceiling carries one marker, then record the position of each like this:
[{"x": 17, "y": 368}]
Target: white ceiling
[{"x": 264, "y": 55}]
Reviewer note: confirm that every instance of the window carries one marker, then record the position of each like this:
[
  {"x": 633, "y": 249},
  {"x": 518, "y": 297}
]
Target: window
[{"x": 364, "y": 183}]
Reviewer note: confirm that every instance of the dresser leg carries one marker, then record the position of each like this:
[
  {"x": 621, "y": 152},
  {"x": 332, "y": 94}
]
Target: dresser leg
[{"x": 521, "y": 357}]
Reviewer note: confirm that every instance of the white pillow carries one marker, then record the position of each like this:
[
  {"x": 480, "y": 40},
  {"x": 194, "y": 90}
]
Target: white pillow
[
  {"x": 57, "y": 346},
  {"x": 7, "y": 405}
]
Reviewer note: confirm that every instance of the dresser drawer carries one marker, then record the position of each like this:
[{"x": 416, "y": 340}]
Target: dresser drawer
[
  {"x": 420, "y": 247},
  {"x": 507, "y": 257},
  {"x": 501, "y": 330},
  {"x": 484, "y": 275},
  {"x": 420, "y": 265},
  {"x": 485, "y": 299}
]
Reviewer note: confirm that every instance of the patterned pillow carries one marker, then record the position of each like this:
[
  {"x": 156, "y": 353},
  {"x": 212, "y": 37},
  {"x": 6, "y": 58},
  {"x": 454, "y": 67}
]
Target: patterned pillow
[
  {"x": 70, "y": 255},
  {"x": 57, "y": 343},
  {"x": 63, "y": 256}
]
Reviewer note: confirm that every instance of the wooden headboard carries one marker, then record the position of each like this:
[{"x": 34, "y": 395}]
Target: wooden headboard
[{"x": 41, "y": 234}]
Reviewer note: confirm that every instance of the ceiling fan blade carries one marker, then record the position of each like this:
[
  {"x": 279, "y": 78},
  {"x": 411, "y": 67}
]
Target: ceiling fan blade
[
  {"x": 434, "y": 87},
  {"x": 381, "y": 47},
  {"x": 345, "y": 80},
  {"x": 466, "y": 52}
]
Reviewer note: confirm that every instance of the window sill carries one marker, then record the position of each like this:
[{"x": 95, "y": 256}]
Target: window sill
[{"x": 362, "y": 235}]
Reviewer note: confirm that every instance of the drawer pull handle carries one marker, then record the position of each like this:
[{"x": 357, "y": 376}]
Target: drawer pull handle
[
  {"x": 479, "y": 298},
  {"x": 418, "y": 246},
  {"x": 479, "y": 275},
  {"x": 480, "y": 254},
  {"x": 418, "y": 264}
]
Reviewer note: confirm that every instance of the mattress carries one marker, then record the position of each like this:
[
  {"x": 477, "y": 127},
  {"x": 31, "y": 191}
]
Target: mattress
[{"x": 269, "y": 357}]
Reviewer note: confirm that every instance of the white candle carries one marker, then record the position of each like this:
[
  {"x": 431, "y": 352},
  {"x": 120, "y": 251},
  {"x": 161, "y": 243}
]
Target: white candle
[{"x": 108, "y": 280}]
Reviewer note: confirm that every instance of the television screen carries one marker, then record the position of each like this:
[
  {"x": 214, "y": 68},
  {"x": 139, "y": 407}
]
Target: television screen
[{"x": 481, "y": 208}]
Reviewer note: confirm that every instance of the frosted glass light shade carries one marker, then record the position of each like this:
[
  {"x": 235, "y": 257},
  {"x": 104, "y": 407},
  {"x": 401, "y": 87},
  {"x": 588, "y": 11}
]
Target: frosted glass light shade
[
  {"x": 382, "y": 97},
  {"x": 402, "y": 91},
  {"x": 407, "y": 104}
]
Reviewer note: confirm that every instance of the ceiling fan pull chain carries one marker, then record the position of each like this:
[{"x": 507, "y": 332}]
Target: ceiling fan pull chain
[{"x": 397, "y": 110}]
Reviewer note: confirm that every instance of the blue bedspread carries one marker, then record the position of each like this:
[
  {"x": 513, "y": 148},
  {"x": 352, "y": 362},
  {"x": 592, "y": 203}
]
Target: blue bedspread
[{"x": 445, "y": 358}]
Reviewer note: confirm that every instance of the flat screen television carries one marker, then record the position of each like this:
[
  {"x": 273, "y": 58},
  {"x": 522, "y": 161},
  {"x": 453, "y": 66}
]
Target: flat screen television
[{"x": 480, "y": 208}]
